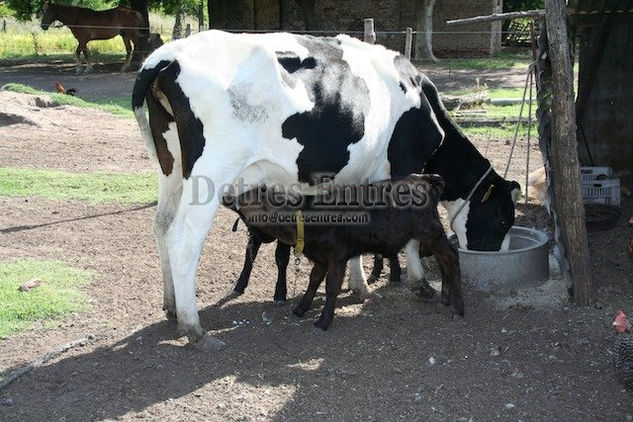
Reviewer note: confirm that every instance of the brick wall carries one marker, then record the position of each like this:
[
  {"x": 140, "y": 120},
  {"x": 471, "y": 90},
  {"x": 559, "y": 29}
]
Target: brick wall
[{"x": 389, "y": 15}]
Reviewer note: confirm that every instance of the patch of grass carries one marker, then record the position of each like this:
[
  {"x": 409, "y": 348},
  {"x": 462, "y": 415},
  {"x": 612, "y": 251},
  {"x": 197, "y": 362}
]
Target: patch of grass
[
  {"x": 502, "y": 131},
  {"x": 56, "y": 296},
  {"x": 92, "y": 187},
  {"x": 498, "y": 61},
  {"x": 53, "y": 41},
  {"x": 119, "y": 106}
]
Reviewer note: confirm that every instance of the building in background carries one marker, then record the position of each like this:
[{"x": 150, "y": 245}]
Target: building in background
[{"x": 389, "y": 15}]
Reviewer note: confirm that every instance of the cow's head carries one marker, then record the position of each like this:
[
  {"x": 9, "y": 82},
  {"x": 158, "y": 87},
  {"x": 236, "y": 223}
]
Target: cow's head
[
  {"x": 48, "y": 15},
  {"x": 484, "y": 221}
]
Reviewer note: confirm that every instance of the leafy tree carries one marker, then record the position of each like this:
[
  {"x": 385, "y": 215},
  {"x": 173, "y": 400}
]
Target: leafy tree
[{"x": 522, "y": 5}]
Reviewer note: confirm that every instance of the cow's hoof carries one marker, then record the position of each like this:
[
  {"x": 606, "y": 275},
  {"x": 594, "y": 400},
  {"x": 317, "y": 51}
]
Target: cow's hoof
[
  {"x": 425, "y": 291},
  {"x": 209, "y": 343},
  {"x": 279, "y": 302}
]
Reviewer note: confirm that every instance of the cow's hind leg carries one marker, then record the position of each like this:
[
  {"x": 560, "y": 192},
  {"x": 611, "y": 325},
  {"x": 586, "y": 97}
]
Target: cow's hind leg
[
  {"x": 170, "y": 189},
  {"x": 357, "y": 281},
  {"x": 415, "y": 271},
  {"x": 184, "y": 241}
]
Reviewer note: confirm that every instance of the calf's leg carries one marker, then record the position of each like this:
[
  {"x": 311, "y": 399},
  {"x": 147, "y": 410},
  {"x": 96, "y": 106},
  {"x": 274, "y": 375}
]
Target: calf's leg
[
  {"x": 333, "y": 283},
  {"x": 282, "y": 256},
  {"x": 254, "y": 242},
  {"x": 448, "y": 260},
  {"x": 316, "y": 276}
]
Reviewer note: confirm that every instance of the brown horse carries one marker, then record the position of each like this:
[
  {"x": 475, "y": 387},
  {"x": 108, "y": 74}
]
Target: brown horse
[{"x": 87, "y": 25}]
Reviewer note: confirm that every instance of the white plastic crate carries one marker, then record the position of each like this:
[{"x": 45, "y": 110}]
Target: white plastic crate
[
  {"x": 598, "y": 189},
  {"x": 588, "y": 174}
]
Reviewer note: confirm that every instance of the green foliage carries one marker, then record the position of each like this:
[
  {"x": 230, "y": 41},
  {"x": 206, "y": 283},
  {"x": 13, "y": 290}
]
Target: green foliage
[
  {"x": 5, "y": 11},
  {"x": 522, "y": 5},
  {"x": 92, "y": 187},
  {"x": 56, "y": 296}
]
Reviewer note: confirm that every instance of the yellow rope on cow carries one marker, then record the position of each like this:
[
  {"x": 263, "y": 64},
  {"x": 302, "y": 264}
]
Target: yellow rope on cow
[{"x": 300, "y": 232}]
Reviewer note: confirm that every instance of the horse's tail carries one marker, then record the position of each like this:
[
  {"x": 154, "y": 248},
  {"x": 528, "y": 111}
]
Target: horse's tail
[{"x": 141, "y": 91}]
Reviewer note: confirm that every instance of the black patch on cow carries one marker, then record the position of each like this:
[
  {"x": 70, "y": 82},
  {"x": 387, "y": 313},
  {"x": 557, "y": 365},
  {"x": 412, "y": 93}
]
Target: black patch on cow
[
  {"x": 159, "y": 121},
  {"x": 337, "y": 119},
  {"x": 159, "y": 118},
  {"x": 189, "y": 126},
  {"x": 416, "y": 135},
  {"x": 462, "y": 166},
  {"x": 291, "y": 62}
]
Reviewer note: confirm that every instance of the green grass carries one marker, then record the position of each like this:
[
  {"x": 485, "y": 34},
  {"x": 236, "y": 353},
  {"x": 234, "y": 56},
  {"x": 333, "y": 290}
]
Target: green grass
[
  {"x": 57, "y": 295},
  {"x": 92, "y": 187},
  {"x": 53, "y": 41},
  {"x": 119, "y": 106},
  {"x": 499, "y": 61}
]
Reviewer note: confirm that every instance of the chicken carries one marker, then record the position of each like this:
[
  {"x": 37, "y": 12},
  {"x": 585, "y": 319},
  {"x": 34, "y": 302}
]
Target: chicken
[
  {"x": 61, "y": 90},
  {"x": 623, "y": 350}
]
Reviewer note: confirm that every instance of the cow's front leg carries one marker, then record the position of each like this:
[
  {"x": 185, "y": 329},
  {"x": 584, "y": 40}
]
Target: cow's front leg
[{"x": 357, "y": 281}]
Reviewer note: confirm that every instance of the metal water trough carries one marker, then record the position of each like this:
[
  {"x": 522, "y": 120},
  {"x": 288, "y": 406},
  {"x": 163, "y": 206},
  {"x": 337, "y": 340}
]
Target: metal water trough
[{"x": 524, "y": 264}]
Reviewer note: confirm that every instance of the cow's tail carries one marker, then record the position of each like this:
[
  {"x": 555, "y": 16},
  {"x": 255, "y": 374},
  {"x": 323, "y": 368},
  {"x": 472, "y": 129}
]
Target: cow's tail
[{"x": 142, "y": 85}]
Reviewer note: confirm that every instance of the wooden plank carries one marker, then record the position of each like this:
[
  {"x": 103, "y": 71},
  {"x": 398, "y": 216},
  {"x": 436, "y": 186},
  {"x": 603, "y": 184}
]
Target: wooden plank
[
  {"x": 565, "y": 167},
  {"x": 498, "y": 17}
]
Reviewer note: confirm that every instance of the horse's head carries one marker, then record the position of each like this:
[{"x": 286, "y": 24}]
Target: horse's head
[
  {"x": 48, "y": 15},
  {"x": 484, "y": 221}
]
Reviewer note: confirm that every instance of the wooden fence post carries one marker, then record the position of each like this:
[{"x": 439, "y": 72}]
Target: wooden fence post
[
  {"x": 4, "y": 25},
  {"x": 565, "y": 167},
  {"x": 188, "y": 30},
  {"x": 370, "y": 34},
  {"x": 408, "y": 40}
]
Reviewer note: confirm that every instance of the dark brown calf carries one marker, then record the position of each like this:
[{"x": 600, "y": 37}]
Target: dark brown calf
[{"x": 390, "y": 226}]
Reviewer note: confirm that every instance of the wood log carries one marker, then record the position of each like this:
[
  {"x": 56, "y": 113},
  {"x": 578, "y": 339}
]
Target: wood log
[
  {"x": 498, "y": 17},
  {"x": 565, "y": 167}
]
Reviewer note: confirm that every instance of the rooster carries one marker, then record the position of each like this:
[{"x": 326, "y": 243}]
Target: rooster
[
  {"x": 623, "y": 350},
  {"x": 61, "y": 90}
]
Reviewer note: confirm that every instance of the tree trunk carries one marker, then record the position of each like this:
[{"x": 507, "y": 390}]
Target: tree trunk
[
  {"x": 143, "y": 36},
  {"x": 565, "y": 167},
  {"x": 424, "y": 38},
  {"x": 177, "y": 32},
  {"x": 200, "y": 17},
  {"x": 307, "y": 7}
]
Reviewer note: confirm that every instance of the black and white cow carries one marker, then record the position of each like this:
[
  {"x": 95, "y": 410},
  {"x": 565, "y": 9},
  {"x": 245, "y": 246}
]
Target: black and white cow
[{"x": 286, "y": 109}]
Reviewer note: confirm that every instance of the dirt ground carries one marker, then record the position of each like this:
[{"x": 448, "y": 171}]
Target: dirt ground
[{"x": 400, "y": 359}]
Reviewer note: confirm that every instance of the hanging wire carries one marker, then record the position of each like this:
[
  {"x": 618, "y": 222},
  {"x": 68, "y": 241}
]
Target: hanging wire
[
  {"x": 520, "y": 120},
  {"x": 527, "y": 159}
]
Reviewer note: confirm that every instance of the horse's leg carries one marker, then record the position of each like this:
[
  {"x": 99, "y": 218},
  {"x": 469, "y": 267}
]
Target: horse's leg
[
  {"x": 78, "y": 67},
  {"x": 128, "y": 51},
  {"x": 87, "y": 57}
]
